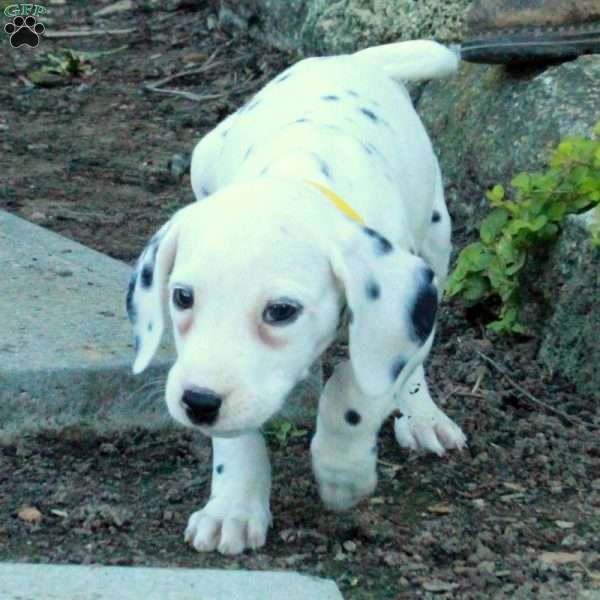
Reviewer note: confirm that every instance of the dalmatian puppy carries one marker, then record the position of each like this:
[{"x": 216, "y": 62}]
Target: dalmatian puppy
[{"x": 320, "y": 204}]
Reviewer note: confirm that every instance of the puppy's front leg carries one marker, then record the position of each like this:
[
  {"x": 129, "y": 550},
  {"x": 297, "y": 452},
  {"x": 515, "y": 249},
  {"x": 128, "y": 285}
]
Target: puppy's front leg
[
  {"x": 423, "y": 426},
  {"x": 344, "y": 447},
  {"x": 237, "y": 514}
]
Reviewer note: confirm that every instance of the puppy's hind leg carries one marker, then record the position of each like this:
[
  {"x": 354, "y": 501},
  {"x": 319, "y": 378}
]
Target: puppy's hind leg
[{"x": 423, "y": 426}]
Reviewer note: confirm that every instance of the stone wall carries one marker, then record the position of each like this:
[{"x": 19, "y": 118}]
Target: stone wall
[
  {"x": 487, "y": 124},
  {"x": 336, "y": 26}
]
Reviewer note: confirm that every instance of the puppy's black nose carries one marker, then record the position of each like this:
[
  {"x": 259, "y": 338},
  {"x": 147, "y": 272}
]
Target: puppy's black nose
[{"x": 201, "y": 405}]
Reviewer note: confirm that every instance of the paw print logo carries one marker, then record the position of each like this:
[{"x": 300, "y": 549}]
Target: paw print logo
[{"x": 24, "y": 32}]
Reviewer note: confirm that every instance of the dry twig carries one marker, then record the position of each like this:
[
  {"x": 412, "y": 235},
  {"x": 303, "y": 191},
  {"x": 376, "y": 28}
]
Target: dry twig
[
  {"x": 531, "y": 397},
  {"x": 86, "y": 33}
]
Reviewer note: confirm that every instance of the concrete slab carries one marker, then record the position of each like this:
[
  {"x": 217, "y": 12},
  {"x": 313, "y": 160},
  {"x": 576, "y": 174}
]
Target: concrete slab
[
  {"x": 66, "y": 345},
  {"x": 73, "y": 582}
]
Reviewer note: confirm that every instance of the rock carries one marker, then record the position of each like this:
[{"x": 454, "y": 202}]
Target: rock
[
  {"x": 228, "y": 20},
  {"x": 330, "y": 27},
  {"x": 348, "y": 25},
  {"x": 44, "y": 79},
  {"x": 570, "y": 337},
  {"x": 490, "y": 123},
  {"x": 179, "y": 165}
]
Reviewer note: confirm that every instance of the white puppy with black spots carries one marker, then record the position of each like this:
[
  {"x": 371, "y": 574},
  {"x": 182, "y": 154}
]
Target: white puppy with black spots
[{"x": 320, "y": 204}]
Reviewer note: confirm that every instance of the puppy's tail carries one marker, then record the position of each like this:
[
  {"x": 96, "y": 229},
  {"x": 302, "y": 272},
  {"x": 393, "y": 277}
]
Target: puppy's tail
[{"x": 413, "y": 60}]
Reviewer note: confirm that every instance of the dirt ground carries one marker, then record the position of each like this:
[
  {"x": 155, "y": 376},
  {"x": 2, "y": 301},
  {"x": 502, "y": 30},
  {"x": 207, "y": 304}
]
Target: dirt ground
[{"x": 100, "y": 159}]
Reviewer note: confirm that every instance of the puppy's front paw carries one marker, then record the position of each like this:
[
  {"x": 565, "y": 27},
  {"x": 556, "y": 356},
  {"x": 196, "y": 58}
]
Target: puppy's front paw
[
  {"x": 344, "y": 479},
  {"x": 229, "y": 526},
  {"x": 432, "y": 431}
]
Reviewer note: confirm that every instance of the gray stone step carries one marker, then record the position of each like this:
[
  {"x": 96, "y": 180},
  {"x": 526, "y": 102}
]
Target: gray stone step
[
  {"x": 66, "y": 345},
  {"x": 74, "y": 582}
]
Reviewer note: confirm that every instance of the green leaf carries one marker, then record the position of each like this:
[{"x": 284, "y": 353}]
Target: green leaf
[
  {"x": 538, "y": 222},
  {"x": 496, "y": 195},
  {"x": 522, "y": 182},
  {"x": 556, "y": 212},
  {"x": 492, "y": 225},
  {"x": 476, "y": 287}
]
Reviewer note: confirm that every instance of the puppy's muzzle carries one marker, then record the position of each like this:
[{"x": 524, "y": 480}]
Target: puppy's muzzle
[{"x": 201, "y": 405}]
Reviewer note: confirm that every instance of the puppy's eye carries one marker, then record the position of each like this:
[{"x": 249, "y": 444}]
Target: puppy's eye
[
  {"x": 281, "y": 312},
  {"x": 183, "y": 298}
]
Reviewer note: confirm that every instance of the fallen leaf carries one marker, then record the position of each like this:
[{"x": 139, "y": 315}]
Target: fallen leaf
[
  {"x": 30, "y": 514},
  {"x": 515, "y": 487},
  {"x": 440, "y": 509},
  {"x": 565, "y": 524},
  {"x": 560, "y": 558},
  {"x": 436, "y": 585},
  {"x": 59, "y": 513},
  {"x": 511, "y": 497}
]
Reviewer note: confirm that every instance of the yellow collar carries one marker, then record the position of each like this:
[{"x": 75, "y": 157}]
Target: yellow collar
[{"x": 337, "y": 201}]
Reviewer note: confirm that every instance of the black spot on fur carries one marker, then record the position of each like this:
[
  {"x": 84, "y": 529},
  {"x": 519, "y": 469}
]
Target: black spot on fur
[
  {"x": 342, "y": 315},
  {"x": 372, "y": 150},
  {"x": 372, "y": 289},
  {"x": 331, "y": 98},
  {"x": 424, "y": 311},
  {"x": 428, "y": 274},
  {"x": 382, "y": 244},
  {"x": 131, "y": 311},
  {"x": 220, "y": 469},
  {"x": 323, "y": 166},
  {"x": 369, "y": 114},
  {"x": 436, "y": 217},
  {"x": 415, "y": 389},
  {"x": 147, "y": 276},
  {"x": 397, "y": 367},
  {"x": 352, "y": 417}
]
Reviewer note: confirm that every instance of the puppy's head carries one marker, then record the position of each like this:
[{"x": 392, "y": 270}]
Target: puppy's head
[{"x": 253, "y": 301}]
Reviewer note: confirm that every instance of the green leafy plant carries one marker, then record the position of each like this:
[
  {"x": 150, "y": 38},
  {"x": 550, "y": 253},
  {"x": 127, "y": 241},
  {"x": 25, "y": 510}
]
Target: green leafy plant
[
  {"x": 67, "y": 64},
  {"x": 282, "y": 430},
  {"x": 595, "y": 228},
  {"x": 490, "y": 270},
  {"x": 71, "y": 63}
]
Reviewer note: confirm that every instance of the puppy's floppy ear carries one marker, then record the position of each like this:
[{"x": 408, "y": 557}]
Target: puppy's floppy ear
[
  {"x": 146, "y": 295},
  {"x": 393, "y": 301}
]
